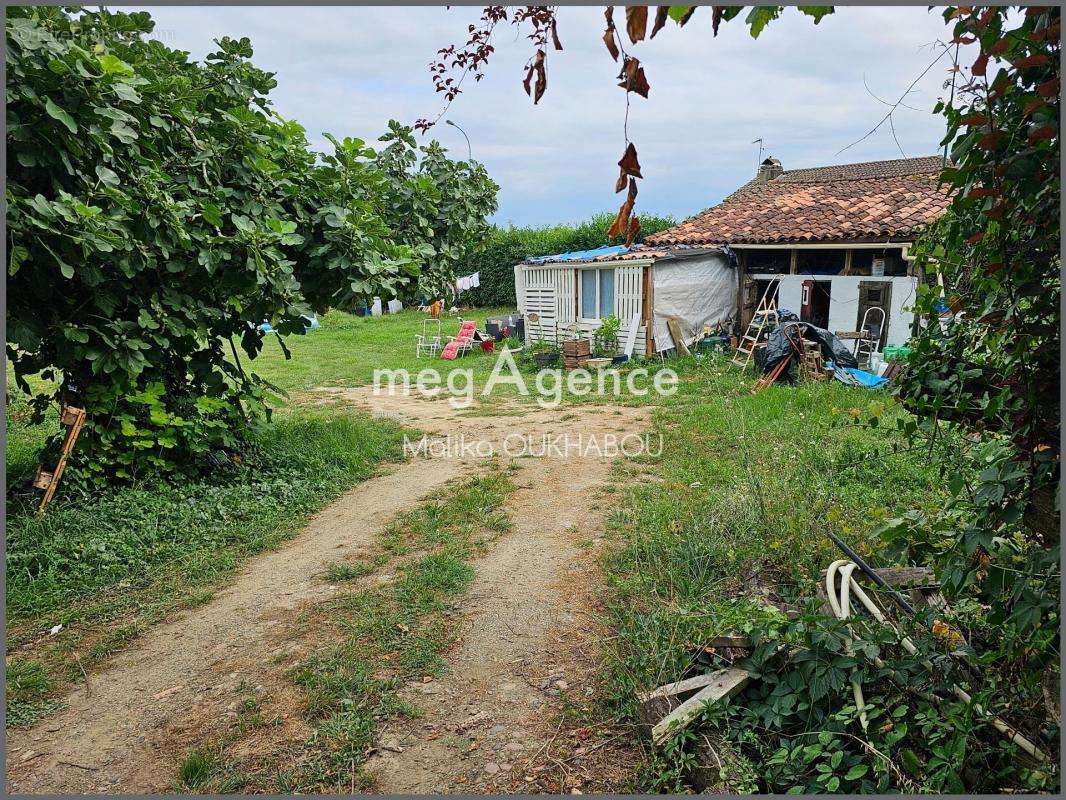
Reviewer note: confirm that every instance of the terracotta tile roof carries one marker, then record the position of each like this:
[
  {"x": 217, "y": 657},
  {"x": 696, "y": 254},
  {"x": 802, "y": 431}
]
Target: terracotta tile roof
[{"x": 874, "y": 200}]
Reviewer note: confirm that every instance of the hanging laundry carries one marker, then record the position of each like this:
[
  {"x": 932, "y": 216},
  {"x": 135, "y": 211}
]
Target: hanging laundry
[{"x": 467, "y": 282}]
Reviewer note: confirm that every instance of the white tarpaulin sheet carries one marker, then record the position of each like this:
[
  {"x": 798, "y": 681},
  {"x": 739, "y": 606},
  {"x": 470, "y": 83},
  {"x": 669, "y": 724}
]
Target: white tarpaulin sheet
[{"x": 697, "y": 291}]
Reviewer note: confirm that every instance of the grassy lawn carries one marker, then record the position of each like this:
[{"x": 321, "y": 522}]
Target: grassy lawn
[{"x": 347, "y": 349}]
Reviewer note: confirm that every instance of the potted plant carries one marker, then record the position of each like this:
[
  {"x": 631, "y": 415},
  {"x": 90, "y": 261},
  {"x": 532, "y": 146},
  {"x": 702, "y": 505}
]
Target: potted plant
[
  {"x": 605, "y": 339},
  {"x": 545, "y": 353}
]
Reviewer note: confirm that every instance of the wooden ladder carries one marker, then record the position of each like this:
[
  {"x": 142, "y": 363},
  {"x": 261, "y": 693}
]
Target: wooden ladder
[{"x": 765, "y": 315}]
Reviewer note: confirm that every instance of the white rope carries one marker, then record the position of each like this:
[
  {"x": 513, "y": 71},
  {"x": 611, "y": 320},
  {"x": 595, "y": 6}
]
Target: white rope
[{"x": 839, "y": 595}]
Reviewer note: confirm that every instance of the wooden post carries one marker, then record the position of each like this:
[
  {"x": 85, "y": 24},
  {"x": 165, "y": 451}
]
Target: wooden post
[
  {"x": 647, "y": 306},
  {"x": 741, "y": 323},
  {"x": 793, "y": 261},
  {"x": 847, "y": 261}
]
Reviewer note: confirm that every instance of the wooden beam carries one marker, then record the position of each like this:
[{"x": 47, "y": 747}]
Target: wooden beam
[
  {"x": 726, "y": 684},
  {"x": 678, "y": 687},
  {"x": 847, "y": 261},
  {"x": 793, "y": 260},
  {"x": 674, "y": 327},
  {"x": 646, "y": 303}
]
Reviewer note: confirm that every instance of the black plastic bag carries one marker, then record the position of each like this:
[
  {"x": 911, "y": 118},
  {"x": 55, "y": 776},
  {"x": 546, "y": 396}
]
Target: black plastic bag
[{"x": 778, "y": 347}]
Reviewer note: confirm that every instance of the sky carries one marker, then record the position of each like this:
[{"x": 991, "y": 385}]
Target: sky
[{"x": 806, "y": 90}]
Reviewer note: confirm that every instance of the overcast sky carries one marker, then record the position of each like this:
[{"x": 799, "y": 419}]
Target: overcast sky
[{"x": 799, "y": 86}]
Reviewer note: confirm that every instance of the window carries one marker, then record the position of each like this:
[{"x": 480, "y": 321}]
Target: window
[
  {"x": 597, "y": 293},
  {"x": 588, "y": 293},
  {"x": 767, "y": 261},
  {"x": 820, "y": 262}
]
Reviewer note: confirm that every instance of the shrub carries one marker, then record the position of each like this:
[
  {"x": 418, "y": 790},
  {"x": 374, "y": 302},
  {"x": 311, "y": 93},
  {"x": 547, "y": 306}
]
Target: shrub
[
  {"x": 509, "y": 246},
  {"x": 159, "y": 210}
]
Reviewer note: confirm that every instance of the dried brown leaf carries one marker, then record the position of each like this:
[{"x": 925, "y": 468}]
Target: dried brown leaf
[
  {"x": 634, "y": 229},
  {"x": 629, "y": 163},
  {"x": 555, "y": 37},
  {"x": 608, "y": 35},
  {"x": 620, "y": 226},
  {"x": 608, "y": 39},
  {"x": 716, "y": 17},
  {"x": 662, "y": 13},
  {"x": 542, "y": 77},
  {"x": 632, "y": 78},
  {"x": 636, "y": 22}
]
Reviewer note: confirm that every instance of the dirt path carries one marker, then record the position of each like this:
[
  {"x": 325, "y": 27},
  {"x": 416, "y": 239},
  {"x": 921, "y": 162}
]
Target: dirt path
[
  {"x": 142, "y": 712},
  {"x": 496, "y": 690}
]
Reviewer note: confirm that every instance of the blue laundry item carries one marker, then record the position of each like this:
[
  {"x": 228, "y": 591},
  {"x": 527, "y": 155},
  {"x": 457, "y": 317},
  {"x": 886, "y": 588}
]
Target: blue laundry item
[
  {"x": 581, "y": 255},
  {"x": 312, "y": 323}
]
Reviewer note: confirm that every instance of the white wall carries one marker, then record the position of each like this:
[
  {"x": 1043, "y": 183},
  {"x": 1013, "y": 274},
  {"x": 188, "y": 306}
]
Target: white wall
[{"x": 844, "y": 300}]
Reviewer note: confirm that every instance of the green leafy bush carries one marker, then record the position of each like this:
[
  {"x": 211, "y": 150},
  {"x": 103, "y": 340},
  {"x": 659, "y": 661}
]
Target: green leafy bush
[
  {"x": 159, "y": 210},
  {"x": 506, "y": 247}
]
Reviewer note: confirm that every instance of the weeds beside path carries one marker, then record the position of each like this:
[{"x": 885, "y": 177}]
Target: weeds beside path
[{"x": 105, "y": 570}]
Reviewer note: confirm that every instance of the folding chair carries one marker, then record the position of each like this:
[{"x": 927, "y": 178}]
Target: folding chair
[{"x": 427, "y": 339}]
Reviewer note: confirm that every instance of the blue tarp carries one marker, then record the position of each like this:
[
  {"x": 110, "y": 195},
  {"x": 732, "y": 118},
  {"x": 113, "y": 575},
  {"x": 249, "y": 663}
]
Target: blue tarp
[
  {"x": 858, "y": 377},
  {"x": 581, "y": 255}
]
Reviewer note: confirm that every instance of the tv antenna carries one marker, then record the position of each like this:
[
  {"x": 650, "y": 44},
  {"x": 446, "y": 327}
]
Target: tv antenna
[{"x": 758, "y": 158}]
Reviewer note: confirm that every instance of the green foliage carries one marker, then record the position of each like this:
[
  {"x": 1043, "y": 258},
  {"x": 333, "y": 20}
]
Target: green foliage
[
  {"x": 125, "y": 536},
  {"x": 159, "y": 209},
  {"x": 435, "y": 205},
  {"x": 196, "y": 770},
  {"x": 509, "y": 246},
  {"x": 605, "y": 339},
  {"x": 994, "y": 371}
]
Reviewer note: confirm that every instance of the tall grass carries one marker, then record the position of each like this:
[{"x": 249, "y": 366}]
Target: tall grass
[{"x": 752, "y": 483}]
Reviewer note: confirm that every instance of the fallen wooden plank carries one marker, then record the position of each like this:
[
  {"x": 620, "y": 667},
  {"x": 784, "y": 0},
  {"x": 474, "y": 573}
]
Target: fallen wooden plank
[
  {"x": 674, "y": 327},
  {"x": 678, "y": 687},
  {"x": 726, "y": 684}
]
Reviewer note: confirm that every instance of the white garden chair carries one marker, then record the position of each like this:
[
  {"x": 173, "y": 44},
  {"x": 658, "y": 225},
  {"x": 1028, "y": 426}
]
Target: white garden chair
[{"x": 429, "y": 340}]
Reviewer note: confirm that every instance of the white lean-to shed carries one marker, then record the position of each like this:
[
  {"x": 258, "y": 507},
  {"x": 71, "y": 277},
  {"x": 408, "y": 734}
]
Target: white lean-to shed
[{"x": 569, "y": 294}]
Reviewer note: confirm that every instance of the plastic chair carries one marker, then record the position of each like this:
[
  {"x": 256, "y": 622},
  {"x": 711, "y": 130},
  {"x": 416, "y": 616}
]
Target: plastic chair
[{"x": 428, "y": 341}]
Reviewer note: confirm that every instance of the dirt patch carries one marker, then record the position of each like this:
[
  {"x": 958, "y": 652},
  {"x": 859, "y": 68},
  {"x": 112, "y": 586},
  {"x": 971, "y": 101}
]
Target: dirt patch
[
  {"x": 529, "y": 637},
  {"x": 192, "y": 678}
]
